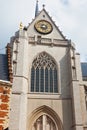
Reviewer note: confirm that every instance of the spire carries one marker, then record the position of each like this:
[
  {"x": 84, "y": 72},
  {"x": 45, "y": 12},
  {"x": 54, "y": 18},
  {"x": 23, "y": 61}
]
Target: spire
[{"x": 37, "y": 9}]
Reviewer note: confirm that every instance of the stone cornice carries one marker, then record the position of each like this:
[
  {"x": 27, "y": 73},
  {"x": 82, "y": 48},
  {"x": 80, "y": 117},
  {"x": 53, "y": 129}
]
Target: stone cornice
[{"x": 5, "y": 83}]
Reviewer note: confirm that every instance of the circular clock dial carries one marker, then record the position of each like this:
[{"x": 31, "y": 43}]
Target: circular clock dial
[{"x": 43, "y": 26}]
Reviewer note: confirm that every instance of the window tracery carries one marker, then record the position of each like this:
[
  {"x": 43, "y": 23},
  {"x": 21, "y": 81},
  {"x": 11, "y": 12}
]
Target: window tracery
[
  {"x": 44, "y": 77},
  {"x": 43, "y": 60}
]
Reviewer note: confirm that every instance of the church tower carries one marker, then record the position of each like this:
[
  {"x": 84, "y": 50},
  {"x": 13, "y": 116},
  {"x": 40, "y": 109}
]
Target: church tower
[{"x": 45, "y": 92}]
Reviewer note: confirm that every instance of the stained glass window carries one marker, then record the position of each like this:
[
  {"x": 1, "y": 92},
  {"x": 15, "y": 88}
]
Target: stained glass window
[
  {"x": 37, "y": 79},
  {"x": 51, "y": 80},
  {"x": 55, "y": 81},
  {"x": 42, "y": 80},
  {"x": 32, "y": 79},
  {"x": 46, "y": 80},
  {"x": 44, "y": 75}
]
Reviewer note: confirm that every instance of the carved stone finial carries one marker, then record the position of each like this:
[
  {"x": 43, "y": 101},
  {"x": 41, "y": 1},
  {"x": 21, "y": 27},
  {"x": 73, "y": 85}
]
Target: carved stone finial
[{"x": 21, "y": 25}]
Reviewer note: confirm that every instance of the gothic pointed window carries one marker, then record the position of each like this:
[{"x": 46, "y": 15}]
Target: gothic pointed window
[{"x": 44, "y": 75}]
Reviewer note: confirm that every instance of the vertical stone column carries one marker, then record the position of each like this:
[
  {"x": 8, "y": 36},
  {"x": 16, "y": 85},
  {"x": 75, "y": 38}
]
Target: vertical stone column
[
  {"x": 18, "y": 115},
  {"x": 33, "y": 127},
  {"x": 77, "y": 123},
  {"x": 77, "y": 115},
  {"x": 44, "y": 122},
  {"x": 52, "y": 126},
  {"x": 48, "y": 126},
  {"x": 38, "y": 124},
  {"x": 23, "y": 109}
]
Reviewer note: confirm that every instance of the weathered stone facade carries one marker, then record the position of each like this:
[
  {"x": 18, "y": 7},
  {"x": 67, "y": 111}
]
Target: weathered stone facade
[
  {"x": 30, "y": 106},
  {"x": 48, "y": 90}
]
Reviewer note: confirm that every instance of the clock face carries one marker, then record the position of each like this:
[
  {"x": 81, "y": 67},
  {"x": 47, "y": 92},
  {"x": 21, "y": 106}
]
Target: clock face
[{"x": 43, "y": 26}]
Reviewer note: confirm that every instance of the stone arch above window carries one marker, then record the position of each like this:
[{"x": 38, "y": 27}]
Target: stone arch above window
[{"x": 44, "y": 74}]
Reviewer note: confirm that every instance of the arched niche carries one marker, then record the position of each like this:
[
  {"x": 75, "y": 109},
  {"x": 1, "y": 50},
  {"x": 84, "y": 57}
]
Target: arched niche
[{"x": 44, "y": 118}]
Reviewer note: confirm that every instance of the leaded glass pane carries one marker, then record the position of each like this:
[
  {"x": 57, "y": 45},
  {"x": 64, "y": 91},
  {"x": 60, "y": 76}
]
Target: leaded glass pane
[
  {"x": 46, "y": 80},
  {"x": 37, "y": 79},
  {"x": 55, "y": 81},
  {"x": 32, "y": 79},
  {"x": 51, "y": 80},
  {"x": 42, "y": 80}
]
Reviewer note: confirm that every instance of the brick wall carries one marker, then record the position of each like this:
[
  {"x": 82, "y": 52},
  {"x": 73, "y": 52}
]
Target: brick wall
[{"x": 5, "y": 91}]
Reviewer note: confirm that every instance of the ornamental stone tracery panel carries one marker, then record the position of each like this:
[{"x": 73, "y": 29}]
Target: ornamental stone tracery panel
[{"x": 44, "y": 60}]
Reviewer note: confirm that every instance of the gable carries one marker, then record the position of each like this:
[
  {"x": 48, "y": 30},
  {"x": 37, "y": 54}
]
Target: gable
[{"x": 54, "y": 34}]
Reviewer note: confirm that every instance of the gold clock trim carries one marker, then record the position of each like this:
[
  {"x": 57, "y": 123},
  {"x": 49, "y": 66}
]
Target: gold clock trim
[{"x": 43, "y": 27}]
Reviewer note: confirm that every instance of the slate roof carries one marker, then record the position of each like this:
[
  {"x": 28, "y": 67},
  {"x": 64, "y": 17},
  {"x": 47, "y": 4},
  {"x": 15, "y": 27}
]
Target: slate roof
[
  {"x": 84, "y": 69},
  {"x": 4, "y": 74}
]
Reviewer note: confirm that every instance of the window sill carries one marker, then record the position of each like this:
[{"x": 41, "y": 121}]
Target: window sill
[{"x": 44, "y": 95}]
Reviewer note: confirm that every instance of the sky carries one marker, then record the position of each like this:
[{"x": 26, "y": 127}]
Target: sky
[{"x": 69, "y": 15}]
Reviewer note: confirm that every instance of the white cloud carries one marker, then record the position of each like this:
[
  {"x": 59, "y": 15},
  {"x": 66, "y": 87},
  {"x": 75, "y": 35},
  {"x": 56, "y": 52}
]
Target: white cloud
[{"x": 72, "y": 20}]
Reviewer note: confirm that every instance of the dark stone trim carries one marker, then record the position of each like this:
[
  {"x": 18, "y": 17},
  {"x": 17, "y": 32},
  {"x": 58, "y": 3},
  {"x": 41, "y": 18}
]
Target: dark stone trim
[
  {"x": 16, "y": 93},
  {"x": 49, "y": 44},
  {"x": 21, "y": 77},
  {"x": 4, "y": 83},
  {"x": 77, "y": 125}
]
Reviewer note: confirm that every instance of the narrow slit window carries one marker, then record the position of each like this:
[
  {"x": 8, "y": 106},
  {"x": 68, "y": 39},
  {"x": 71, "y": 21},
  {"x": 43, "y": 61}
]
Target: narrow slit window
[
  {"x": 42, "y": 80},
  {"x": 46, "y": 80},
  {"x": 32, "y": 79},
  {"x": 37, "y": 79},
  {"x": 55, "y": 81},
  {"x": 51, "y": 80}
]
